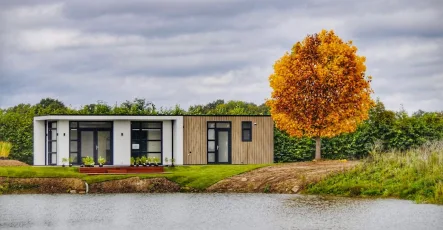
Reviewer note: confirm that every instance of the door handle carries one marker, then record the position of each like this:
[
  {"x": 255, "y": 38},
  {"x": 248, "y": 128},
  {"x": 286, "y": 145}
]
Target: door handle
[
  {"x": 96, "y": 147},
  {"x": 217, "y": 147}
]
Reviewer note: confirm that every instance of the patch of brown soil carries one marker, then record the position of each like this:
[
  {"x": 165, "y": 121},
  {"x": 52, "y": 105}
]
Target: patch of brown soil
[
  {"x": 135, "y": 185},
  {"x": 281, "y": 178},
  {"x": 40, "y": 185},
  {"x": 12, "y": 163}
]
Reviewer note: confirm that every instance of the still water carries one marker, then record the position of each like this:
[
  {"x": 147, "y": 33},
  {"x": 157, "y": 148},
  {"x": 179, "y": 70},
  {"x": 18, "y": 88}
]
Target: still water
[{"x": 212, "y": 211}]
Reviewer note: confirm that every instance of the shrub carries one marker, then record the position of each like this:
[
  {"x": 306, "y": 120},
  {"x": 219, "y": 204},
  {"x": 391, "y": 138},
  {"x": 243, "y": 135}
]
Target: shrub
[{"x": 5, "y": 149}]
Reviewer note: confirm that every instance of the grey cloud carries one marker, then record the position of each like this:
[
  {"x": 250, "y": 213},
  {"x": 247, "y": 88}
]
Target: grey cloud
[{"x": 196, "y": 51}]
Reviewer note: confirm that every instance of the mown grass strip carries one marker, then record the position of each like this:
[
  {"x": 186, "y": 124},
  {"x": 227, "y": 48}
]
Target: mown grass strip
[{"x": 197, "y": 177}]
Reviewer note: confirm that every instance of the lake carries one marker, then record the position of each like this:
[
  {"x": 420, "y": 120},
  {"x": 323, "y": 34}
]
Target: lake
[{"x": 212, "y": 211}]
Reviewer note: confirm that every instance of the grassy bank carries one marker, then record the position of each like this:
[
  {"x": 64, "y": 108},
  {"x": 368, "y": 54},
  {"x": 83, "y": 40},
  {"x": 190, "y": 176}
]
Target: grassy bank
[
  {"x": 193, "y": 177},
  {"x": 415, "y": 175}
]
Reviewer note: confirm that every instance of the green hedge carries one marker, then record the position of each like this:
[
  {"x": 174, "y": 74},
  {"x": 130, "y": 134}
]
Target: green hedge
[{"x": 396, "y": 130}]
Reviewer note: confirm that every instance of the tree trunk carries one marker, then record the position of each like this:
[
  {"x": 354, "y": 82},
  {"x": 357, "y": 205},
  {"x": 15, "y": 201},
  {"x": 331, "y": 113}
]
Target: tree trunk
[{"x": 317, "y": 148}]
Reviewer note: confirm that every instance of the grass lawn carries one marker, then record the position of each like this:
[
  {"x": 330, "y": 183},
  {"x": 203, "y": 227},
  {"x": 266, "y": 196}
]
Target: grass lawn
[
  {"x": 196, "y": 177},
  {"x": 415, "y": 175}
]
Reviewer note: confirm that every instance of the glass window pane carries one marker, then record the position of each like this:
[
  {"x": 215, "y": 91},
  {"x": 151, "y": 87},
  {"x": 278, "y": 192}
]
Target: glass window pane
[
  {"x": 53, "y": 145},
  {"x": 74, "y": 158},
  {"x": 73, "y": 134},
  {"x": 53, "y": 134},
  {"x": 54, "y": 158},
  {"x": 135, "y": 153},
  {"x": 155, "y": 134},
  {"x": 211, "y": 157},
  {"x": 222, "y": 125},
  {"x": 154, "y": 146},
  {"x": 223, "y": 150},
  {"x": 54, "y": 125},
  {"x": 73, "y": 147},
  {"x": 247, "y": 134},
  {"x": 144, "y": 134},
  {"x": 95, "y": 124},
  {"x": 135, "y": 134},
  {"x": 73, "y": 125},
  {"x": 135, "y": 125},
  {"x": 211, "y": 134},
  {"x": 152, "y": 125},
  {"x": 211, "y": 146},
  {"x": 158, "y": 155},
  {"x": 87, "y": 143},
  {"x": 246, "y": 125},
  {"x": 211, "y": 125}
]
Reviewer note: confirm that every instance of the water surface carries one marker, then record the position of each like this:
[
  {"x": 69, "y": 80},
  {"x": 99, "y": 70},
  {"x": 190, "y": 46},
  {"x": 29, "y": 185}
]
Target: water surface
[{"x": 212, "y": 211}]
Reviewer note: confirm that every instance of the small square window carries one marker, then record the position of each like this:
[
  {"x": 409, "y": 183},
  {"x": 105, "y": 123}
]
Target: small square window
[
  {"x": 211, "y": 125},
  {"x": 246, "y": 131}
]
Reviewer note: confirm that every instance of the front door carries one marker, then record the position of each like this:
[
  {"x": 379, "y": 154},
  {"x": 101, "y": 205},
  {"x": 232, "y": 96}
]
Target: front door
[
  {"x": 96, "y": 144},
  {"x": 219, "y": 142}
]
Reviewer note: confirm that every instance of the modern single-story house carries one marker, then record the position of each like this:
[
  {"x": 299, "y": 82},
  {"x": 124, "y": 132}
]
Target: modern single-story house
[{"x": 189, "y": 139}]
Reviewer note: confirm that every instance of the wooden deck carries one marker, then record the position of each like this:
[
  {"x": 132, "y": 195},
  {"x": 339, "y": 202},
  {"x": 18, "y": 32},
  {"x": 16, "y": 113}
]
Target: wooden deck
[{"x": 120, "y": 170}]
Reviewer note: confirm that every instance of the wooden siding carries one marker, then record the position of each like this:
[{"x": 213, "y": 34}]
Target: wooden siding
[{"x": 260, "y": 150}]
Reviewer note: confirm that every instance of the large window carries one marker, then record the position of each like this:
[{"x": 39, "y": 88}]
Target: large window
[
  {"x": 246, "y": 131},
  {"x": 146, "y": 139},
  {"x": 52, "y": 143}
]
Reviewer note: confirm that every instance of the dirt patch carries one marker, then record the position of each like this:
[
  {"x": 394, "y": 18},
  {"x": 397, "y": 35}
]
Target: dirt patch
[
  {"x": 12, "y": 163},
  {"x": 40, "y": 185},
  {"x": 283, "y": 178},
  {"x": 135, "y": 185}
]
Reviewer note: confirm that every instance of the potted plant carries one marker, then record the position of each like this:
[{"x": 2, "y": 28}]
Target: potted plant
[
  {"x": 137, "y": 161},
  {"x": 143, "y": 161},
  {"x": 132, "y": 161},
  {"x": 155, "y": 160},
  {"x": 172, "y": 162},
  {"x": 70, "y": 161},
  {"x": 64, "y": 160},
  {"x": 101, "y": 161},
  {"x": 166, "y": 161},
  {"x": 88, "y": 161},
  {"x": 150, "y": 161}
]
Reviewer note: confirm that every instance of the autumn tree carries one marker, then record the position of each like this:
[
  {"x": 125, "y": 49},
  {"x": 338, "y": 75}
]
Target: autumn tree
[{"x": 320, "y": 88}]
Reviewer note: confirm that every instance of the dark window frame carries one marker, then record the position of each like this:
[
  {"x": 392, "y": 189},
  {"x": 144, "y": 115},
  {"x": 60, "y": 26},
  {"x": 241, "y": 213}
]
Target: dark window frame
[
  {"x": 50, "y": 141},
  {"x": 215, "y": 152},
  {"x": 78, "y": 140},
  {"x": 139, "y": 128},
  {"x": 243, "y": 138}
]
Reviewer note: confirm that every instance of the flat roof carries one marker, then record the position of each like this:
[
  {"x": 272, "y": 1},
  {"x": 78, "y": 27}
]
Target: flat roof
[{"x": 81, "y": 117}]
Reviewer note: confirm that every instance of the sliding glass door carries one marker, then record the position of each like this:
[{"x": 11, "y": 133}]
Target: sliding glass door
[{"x": 93, "y": 139}]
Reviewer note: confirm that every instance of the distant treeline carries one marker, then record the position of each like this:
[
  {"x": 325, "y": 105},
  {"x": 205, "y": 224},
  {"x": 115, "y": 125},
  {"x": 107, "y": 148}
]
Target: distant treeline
[{"x": 395, "y": 130}]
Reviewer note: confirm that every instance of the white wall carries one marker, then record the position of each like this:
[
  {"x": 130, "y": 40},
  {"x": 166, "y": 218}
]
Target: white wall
[
  {"x": 62, "y": 141},
  {"x": 122, "y": 144},
  {"x": 39, "y": 142},
  {"x": 178, "y": 140}
]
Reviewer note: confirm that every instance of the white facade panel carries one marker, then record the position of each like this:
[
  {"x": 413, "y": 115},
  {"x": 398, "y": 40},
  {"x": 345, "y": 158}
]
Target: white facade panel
[
  {"x": 167, "y": 141},
  {"x": 122, "y": 143},
  {"x": 62, "y": 141},
  {"x": 178, "y": 141},
  {"x": 39, "y": 143}
]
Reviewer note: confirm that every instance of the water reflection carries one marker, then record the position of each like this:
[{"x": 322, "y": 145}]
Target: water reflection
[{"x": 212, "y": 211}]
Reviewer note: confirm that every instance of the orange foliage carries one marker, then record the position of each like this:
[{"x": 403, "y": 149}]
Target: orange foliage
[{"x": 320, "y": 89}]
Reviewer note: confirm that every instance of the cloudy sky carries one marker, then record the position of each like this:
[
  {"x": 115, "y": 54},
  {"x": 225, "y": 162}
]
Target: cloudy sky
[{"x": 196, "y": 51}]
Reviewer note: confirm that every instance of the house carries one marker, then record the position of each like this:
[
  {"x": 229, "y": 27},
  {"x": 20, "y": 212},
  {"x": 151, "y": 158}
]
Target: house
[{"x": 188, "y": 139}]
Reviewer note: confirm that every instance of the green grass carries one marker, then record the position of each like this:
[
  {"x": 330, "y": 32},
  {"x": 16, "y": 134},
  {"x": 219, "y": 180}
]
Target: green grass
[
  {"x": 194, "y": 177},
  {"x": 415, "y": 175}
]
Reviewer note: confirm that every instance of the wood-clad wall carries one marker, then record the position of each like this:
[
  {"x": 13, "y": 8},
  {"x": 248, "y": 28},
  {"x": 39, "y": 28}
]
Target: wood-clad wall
[{"x": 260, "y": 150}]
